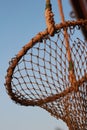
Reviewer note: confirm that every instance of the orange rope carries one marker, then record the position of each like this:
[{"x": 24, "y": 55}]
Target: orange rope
[
  {"x": 72, "y": 77},
  {"x": 49, "y": 16}
]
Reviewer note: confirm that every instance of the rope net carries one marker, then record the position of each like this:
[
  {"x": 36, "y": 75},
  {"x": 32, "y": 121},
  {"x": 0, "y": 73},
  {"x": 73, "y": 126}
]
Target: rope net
[{"x": 40, "y": 74}]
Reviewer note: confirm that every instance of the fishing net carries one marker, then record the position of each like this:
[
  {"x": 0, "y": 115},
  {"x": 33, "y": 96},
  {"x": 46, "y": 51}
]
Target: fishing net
[
  {"x": 39, "y": 75},
  {"x": 51, "y": 72}
]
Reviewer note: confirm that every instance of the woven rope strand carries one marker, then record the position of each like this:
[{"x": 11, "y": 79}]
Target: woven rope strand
[{"x": 49, "y": 18}]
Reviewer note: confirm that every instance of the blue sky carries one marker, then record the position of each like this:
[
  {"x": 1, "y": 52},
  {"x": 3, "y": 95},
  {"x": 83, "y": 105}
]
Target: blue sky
[{"x": 20, "y": 20}]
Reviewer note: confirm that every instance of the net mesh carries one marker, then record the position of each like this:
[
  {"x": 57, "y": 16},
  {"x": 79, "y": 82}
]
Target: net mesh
[{"x": 41, "y": 77}]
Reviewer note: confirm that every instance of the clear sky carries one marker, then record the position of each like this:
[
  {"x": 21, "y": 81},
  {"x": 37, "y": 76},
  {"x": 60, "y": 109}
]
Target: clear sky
[{"x": 20, "y": 20}]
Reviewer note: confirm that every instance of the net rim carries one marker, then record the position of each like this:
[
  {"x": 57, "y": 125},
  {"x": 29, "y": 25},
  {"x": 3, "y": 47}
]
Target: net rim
[{"x": 22, "y": 52}]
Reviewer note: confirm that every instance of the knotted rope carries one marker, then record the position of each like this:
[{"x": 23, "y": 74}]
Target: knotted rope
[{"x": 49, "y": 18}]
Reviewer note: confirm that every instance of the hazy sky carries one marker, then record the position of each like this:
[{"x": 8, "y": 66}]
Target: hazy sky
[{"x": 20, "y": 20}]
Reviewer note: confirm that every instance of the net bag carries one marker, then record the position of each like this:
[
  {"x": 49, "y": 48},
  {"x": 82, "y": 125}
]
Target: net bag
[
  {"x": 39, "y": 75},
  {"x": 51, "y": 72}
]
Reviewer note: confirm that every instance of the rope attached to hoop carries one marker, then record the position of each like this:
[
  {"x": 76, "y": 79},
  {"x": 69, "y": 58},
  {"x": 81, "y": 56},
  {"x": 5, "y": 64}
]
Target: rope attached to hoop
[
  {"x": 49, "y": 18},
  {"x": 71, "y": 76}
]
